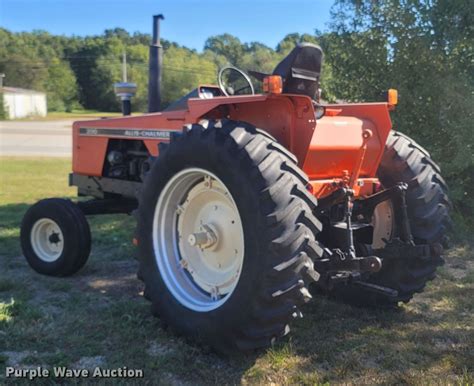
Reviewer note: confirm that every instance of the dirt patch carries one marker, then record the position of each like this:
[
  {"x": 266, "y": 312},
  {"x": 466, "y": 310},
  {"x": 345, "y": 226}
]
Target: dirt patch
[
  {"x": 117, "y": 278},
  {"x": 458, "y": 268}
]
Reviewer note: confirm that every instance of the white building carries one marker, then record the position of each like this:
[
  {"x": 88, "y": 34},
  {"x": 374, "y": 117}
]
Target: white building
[{"x": 20, "y": 103}]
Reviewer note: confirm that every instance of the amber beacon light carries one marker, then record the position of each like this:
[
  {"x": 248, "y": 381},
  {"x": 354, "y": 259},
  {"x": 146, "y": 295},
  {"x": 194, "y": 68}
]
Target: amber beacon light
[
  {"x": 273, "y": 84},
  {"x": 392, "y": 96}
]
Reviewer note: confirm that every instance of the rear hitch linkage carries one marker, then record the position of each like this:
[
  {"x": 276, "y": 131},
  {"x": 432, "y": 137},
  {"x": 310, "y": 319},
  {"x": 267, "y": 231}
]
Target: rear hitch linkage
[{"x": 342, "y": 265}]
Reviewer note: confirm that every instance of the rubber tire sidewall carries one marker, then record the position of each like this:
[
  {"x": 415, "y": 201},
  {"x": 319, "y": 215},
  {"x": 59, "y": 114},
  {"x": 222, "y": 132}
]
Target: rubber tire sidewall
[
  {"x": 407, "y": 162},
  {"x": 234, "y": 312},
  {"x": 76, "y": 234}
]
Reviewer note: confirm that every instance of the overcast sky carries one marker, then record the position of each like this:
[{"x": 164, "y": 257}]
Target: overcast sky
[{"x": 188, "y": 22}]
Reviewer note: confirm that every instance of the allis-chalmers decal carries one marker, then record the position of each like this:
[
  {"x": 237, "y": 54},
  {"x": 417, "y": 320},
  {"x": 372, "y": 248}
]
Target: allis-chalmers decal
[{"x": 127, "y": 133}]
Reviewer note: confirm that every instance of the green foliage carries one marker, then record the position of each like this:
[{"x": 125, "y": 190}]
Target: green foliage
[
  {"x": 61, "y": 86},
  {"x": 81, "y": 71},
  {"x": 34, "y": 61},
  {"x": 228, "y": 50},
  {"x": 358, "y": 64},
  {"x": 183, "y": 71},
  {"x": 226, "y": 45},
  {"x": 291, "y": 40},
  {"x": 426, "y": 51}
]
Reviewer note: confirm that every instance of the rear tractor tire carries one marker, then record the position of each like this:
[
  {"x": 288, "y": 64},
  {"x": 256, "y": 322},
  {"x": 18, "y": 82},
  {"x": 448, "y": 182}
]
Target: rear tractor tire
[
  {"x": 55, "y": 237},
  {"x": 428, "y": 211},
  {"x": 226, "y": 236}
]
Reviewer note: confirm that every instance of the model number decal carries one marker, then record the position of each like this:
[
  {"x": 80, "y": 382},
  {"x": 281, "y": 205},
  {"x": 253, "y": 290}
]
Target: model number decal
[{"x": 128, "y": 133}]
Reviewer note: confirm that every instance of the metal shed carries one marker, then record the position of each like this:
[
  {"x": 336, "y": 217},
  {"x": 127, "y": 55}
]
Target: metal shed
[{"x": 20, "y": 102}]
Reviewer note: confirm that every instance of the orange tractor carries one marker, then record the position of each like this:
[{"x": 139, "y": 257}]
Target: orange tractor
[{"x": 245, "y": 201}]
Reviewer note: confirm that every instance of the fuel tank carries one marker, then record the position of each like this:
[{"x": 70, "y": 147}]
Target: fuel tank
[{"x": 336, "y": 142}]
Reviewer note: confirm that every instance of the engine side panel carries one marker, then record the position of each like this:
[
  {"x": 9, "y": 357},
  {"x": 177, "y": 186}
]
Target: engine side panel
[{"x": 90, "y": 138}]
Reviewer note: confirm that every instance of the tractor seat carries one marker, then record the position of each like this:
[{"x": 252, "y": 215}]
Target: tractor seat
[{"x": 301, "y": 70}]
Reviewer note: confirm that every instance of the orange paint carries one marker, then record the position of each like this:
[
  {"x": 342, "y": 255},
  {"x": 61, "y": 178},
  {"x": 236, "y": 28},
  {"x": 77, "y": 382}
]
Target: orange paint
[{"x": 325, "y": 148}]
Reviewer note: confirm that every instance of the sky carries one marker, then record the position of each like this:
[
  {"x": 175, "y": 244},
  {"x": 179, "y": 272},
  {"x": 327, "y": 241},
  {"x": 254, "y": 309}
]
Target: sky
[{"x": 187, "y": 22}]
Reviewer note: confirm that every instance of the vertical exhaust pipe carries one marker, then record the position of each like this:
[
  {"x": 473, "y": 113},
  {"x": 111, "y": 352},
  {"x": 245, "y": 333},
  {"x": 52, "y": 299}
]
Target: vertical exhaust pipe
[{"x": 155, "y": 67}]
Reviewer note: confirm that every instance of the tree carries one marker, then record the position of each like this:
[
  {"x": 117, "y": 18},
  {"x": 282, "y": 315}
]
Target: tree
[
  {"x": 227, "y": 46},
  {"x": 61, "y": 86},
  {"x": 183, "y": 71},
  {"x": 425, "y": 50},
  {"x": 291, "y": 40},
  {"x": 23, "y": 71},
  {"x": 33, "y": 61}
]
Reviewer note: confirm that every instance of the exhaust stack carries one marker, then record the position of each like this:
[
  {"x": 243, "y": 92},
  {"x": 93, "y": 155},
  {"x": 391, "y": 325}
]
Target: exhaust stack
[{"x": 155, "y": 67}]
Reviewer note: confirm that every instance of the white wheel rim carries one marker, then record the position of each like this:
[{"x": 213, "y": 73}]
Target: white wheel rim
[
  {"x": 47, "y": 240},
  {"x": 198, "y": 239},
  {"x": 382, "y": 222}
]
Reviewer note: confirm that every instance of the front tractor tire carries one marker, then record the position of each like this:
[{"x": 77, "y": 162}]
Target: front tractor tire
[
  {"x": 428, "y": 212},
  {"x": 55, "y": 237},
  {"x": 226, "y": 236}
]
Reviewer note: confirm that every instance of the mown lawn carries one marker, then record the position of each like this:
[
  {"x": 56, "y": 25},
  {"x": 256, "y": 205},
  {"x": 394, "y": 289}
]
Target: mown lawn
[{"x": 99, "y": 317}]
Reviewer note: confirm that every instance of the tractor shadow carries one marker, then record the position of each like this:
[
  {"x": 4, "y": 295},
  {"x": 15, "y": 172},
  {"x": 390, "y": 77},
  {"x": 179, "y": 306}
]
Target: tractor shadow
[
  {"x": 110, "y": 265},
  {"x": 101, "y": 311},
  {"x": 344, "y": 342},
  {"x": 10, "y": 220}
]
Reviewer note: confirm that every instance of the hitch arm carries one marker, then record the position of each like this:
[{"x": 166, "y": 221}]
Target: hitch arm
[
  {"x": 401, "y": 215},
  {"x": 366, "y": 135}
]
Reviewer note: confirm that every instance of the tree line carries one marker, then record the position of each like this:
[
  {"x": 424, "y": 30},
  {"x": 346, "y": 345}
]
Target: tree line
[{"x": 424, "y": 48}]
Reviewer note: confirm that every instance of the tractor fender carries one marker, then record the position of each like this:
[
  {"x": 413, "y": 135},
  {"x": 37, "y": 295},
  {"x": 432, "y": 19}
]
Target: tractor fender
[{"x": 289, "y": 118}]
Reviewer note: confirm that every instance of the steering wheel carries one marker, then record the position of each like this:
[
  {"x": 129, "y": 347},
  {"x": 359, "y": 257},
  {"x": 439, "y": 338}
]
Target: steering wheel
[{"x": 233, "y": 81}]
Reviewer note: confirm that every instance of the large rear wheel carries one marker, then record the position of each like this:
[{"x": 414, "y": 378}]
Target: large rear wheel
[
  {"x": 227, "y": 236},
  {"x": 428, "y": 211}
]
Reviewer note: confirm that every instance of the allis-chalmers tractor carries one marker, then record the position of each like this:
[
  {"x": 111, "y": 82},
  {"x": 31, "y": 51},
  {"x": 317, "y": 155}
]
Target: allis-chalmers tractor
[{"x": 245, "y": 201}]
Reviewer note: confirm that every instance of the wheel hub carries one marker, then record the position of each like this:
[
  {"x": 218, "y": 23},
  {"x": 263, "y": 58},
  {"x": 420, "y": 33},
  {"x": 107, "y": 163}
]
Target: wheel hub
[
  {"x": 206, "y": 238},
  {"x": 207, "y": 220},
  {"x": 54, "y": 238},
  {"x": 47, "y": 239},
  {"x": 198, "y": 239}
]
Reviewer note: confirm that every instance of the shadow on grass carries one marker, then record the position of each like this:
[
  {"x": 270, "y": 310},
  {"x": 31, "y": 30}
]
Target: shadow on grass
[
  {"x": 111, "y": 234},
  {"x": 10, "y": 220},
  {"x": 435, "y": 331},
  {"x": 100, "y": 311}
]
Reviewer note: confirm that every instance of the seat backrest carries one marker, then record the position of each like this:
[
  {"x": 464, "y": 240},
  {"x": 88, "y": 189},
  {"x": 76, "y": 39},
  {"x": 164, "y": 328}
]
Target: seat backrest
[{"x": 301, "y": 70}]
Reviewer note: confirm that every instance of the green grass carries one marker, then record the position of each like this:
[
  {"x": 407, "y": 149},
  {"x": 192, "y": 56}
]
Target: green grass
[
  {"x": 99, "y": 315},
  {"x": 6, "y": 312},
  {"x": 25, "y": 181}
]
